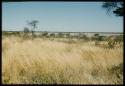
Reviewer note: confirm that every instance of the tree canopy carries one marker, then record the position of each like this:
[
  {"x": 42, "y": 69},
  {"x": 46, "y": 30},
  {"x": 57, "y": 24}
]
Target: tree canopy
[{"x": 114, "y": 7}]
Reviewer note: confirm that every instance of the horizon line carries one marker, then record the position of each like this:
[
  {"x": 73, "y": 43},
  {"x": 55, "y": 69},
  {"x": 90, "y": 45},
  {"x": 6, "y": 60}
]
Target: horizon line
[{"x": 66, "y": 32}]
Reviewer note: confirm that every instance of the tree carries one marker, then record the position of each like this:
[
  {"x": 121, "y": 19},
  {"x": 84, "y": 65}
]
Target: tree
[
  {"x": 84, "y": 37},
  {"x": 52, "y": 35},
  {"x": 114, "y": 7},
  {"x": 26, "y": 31},
  {"x": 44, "y": 34},
  {"x": 96, "y": 36},
  {"x": 68, "y": 36},
  {"x": 33, "y": 24},
  {"x": 60, "y": 34}
]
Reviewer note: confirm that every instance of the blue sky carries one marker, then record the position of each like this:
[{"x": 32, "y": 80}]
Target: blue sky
[{"x": 60, "y": 16}]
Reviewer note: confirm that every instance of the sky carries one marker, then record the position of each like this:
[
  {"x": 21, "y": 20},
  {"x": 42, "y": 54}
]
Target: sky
[{"x": 60, "y": 17}]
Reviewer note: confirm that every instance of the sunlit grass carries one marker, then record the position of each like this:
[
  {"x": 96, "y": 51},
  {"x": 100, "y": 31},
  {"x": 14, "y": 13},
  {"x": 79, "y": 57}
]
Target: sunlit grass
[{"x": 41, "y": 61}]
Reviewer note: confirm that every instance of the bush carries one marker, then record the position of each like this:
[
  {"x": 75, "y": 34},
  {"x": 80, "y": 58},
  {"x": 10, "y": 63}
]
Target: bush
[
  {"x": 26, "y": 32},
  {"x": 111, "y": 44},
  {"x": 119, "y": 38},
  {"x": 114, "y": 40},
  {"x": 6, "y": 33},
  {"x": 45, "y": 34},
  {"x": 52, "y": 35},
  {"x": 117, "y": 72},
  {"x": 60, "y": 34}
]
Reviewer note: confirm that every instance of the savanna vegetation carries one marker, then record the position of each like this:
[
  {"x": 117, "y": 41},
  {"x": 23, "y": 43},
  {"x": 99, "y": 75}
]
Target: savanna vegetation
[
  {"x": 58, "y": 59},
  {"x": 62, "y": 58}
]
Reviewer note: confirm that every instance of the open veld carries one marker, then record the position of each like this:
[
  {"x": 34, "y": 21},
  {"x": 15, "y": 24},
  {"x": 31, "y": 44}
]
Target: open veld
[{"x": 60, "y": 61}]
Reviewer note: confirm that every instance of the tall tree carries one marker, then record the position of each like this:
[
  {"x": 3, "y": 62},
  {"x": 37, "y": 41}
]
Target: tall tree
[
  {"x": 33, "y": 24},
  {"x": 114, "y": 7}
]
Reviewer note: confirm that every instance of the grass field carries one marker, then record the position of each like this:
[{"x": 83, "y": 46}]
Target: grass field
[{"x": 43, "y": 61}]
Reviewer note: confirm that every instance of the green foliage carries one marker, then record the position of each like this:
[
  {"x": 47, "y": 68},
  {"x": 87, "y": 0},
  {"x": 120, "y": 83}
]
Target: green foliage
[
  {"x": 45, "y": 34},
  {"x": 60, "y": 34},
  {"x": 100, "y": 38},
  {"x": 26, "y": 32},
  {"x": 84, "y": 37},
  {"x": 96, "y": 35},
  {"x": 33, "y": 24},
  {"x": 34, "y": 36},
  {"x": 114, "y": 40},
  {"x": 119, "y": 38},
  {"x": 52, "y": 35},
  {"x": 114, "y": 7},
  {"x": 68, "y": 35},
  {"x": 9, "y": 33},
  {"x": 5, "y": 33},
  {"x": 119, "y": 12},
  {"x": 111, "y": 44},
  {"x": 96, "y": 39}
]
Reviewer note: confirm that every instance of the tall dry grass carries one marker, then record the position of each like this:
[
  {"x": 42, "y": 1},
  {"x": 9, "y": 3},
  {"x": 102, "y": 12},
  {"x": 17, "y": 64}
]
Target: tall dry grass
[{"x": 41, "y": 61}]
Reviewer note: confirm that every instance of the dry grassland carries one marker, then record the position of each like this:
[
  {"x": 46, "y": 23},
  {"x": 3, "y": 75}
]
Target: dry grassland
[{"x": 41, "y": 61}]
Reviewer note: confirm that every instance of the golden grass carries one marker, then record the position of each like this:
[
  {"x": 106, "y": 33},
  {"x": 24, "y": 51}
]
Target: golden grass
[{"x": 52, "y": 62}]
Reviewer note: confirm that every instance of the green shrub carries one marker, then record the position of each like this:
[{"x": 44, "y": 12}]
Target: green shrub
[{"x": 111, "y": 44}]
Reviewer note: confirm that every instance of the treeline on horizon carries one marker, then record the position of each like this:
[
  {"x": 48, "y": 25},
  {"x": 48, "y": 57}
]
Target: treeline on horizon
[{"x": 70, "y": 32}]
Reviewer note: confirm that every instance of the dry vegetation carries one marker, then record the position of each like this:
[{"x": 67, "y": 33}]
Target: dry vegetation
[{"x": 41, "y": 61}]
